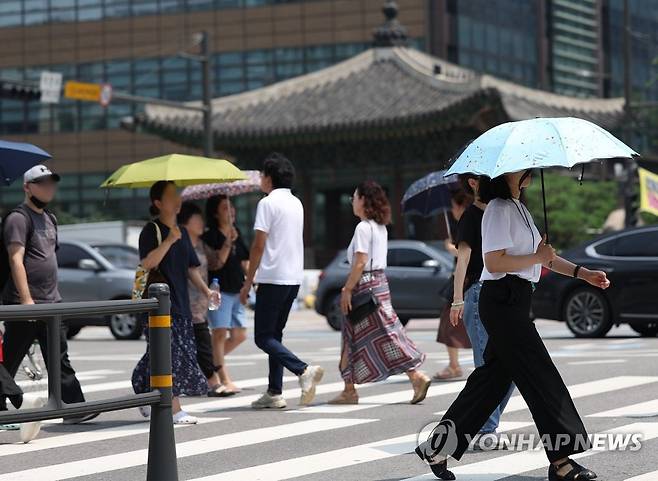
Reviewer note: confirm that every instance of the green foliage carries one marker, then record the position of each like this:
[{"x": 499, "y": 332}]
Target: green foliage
[{"x": 574, "y": 210}]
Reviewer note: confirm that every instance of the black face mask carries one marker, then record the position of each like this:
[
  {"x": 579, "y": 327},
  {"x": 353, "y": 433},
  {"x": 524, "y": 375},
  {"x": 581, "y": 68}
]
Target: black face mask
[{"x": 39, "y": 204}]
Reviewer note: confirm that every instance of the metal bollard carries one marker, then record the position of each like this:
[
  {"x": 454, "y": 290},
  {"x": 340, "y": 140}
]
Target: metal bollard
[
  {"x": 54, "y": 356},
  {"x": 162, "y": 464}
]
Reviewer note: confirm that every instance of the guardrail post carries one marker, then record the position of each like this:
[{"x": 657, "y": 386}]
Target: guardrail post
[
  {"x": 162, "y": 465},
  {"x": 54, "y": 356}
]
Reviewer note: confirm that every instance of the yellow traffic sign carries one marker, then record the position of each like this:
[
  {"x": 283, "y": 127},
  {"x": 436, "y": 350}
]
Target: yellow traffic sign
[{"x": 82, "y": 91}]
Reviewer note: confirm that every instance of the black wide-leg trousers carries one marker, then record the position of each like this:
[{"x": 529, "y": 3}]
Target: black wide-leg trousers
[{"x": 516, "y": 353}]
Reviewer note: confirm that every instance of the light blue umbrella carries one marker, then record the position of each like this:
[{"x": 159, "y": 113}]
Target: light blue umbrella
[{"x": 538, "y": 144}]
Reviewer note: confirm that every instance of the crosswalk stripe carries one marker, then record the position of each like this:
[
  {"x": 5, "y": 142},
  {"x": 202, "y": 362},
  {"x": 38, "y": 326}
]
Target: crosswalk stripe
[
  {"x": 116, "y": 385},
  {"x": 243, "y": 401},
  {"x": 517, "y": 403},
  {"x": 81, "y": 375},
  {"x": 379, "y": 400},
  {"x": 87, "y": 467},
  {"x": 520, "y": 462},
  {"x": 597, "y": 361},
  {"x": 89, "y": 436},
  {"x": 643, "y": 409},
  {"x": 339, "y": 458},
  {"x": 644, "y": 477}
]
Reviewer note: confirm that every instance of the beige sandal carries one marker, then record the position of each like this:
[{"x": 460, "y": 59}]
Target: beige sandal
[
  {"x": 421, "y": 386},
  {"x": 448, "y": 374},
  {"x": 346, "y": 397}
]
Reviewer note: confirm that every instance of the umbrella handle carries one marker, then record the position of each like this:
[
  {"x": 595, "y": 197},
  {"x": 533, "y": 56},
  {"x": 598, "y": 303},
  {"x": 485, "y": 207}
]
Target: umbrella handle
[{"x": 543, "y": 196}]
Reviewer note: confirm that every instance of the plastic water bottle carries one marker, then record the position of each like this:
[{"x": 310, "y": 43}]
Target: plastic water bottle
[{"x": 213, "y": 304}]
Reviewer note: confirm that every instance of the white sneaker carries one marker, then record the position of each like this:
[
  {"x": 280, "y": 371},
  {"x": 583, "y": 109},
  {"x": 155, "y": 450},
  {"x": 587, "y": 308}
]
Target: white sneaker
[
  {"x": 181, "y": 417},
  {"x": 29, "y": 431},
  {"x": 308, "y": 381},
  {"x": 145, "y": 411},
  {"x": 269, "y": 401}
]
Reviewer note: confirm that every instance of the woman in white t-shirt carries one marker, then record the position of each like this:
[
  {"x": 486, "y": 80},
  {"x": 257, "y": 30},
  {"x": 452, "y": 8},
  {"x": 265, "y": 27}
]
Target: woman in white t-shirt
[
  {"x": 377, "y": 346},
  {"x": 513, "y": 252}
]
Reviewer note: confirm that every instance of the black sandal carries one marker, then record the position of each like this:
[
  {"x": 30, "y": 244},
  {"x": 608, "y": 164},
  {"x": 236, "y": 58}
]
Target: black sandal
[
  {"x": 577, "y": 473},
  {"x": 440, "y": 469}
]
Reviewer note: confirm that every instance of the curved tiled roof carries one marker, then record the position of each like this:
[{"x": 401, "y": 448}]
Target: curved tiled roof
[{"x": 380, "y": 92}]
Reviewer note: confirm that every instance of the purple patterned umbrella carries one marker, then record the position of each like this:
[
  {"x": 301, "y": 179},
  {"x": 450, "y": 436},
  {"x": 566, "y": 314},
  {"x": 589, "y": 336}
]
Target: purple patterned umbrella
[{"x": 205, "y": 191}]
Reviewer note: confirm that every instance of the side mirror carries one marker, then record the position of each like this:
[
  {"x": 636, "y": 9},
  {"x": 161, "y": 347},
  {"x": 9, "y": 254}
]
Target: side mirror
[
  {"x": 89, "y": 265},
  {"x": 432, "y": 263}
]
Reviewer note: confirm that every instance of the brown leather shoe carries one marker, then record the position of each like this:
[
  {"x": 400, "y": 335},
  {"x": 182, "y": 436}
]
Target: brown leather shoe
[
  {"x": 421, "y": 386},
  {"x": 346, "y": 397}
]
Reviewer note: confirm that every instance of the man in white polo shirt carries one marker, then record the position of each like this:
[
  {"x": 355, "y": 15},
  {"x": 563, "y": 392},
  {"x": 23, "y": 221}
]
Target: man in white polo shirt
[{"x": 276, "y": 261}]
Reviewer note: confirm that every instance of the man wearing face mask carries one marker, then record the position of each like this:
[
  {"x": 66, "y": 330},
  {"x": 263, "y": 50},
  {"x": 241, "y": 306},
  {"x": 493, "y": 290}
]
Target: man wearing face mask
[{"x": 30, "y": 237}]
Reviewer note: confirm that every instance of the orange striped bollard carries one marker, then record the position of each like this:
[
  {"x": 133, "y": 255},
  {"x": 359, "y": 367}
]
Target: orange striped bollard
[{"x": 162, "y": 465}]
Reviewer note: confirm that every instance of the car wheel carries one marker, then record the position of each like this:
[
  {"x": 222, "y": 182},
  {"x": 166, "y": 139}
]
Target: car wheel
[
  {"x": 333, "y": 313},
  {"x": 645, "y": 329},
  {"x": 71, "y": 332},
  {"x": 125, "y": 326},
  {"x": 587, "y": 313}
]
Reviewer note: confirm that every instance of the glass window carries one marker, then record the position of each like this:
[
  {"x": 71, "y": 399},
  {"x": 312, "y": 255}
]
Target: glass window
[
  {"x": 35, "y": 17},
  {"x": 229, "y": 58},
  {"x": 88, "y": 14},
  {"x": 319, "y": 52},
  {"x": 230, "y": 73},
  {"x": 289, "y": 70},
  {"x": 642, "y": 244},
  {"x": 122, "y": 257},
  {"x": 144, "y": 7},
  {"x": 408, "y": 258},
  {"x": 62, "y": 15},
  {"x": 288, "y": 54},
  {"x": 114, "y": 8},
  {"x": 492, "y": 38},
  {"x": 258, "y": 56},
  {"x": 259, "y": 71},
  {"x": 69, "y": 256},
  {"x": 10, "y": 7},
  {"x": 606, "y": 248},
  {"x": 10, "y": 19},
  {"x": 227, "y": 88},
  {"x": 229, "y": 3},
  {"x": 478, "y": 35}
]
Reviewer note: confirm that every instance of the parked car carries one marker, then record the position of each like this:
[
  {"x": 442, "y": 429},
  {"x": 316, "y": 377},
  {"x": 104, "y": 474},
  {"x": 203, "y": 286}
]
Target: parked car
[
  {"x": 416, "y": 273},
  {"x": 630, "y": 259},
  {"x": 95, "y": 272}
]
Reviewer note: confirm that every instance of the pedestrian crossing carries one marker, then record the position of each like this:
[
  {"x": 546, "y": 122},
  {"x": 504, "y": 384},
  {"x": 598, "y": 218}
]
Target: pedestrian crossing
[{"x": 217, "y": 438}]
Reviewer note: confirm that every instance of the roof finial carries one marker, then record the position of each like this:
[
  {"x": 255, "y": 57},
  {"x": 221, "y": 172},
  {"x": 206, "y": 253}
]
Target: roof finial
[{"x": 391, "y": 33}]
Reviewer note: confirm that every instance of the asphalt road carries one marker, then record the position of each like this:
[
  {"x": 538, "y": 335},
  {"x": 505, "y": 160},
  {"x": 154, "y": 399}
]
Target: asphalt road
[{"x": 614, "y": 382}]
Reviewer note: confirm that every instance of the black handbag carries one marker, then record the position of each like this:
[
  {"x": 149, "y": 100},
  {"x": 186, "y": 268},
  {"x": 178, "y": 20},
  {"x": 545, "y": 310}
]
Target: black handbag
[
  {"x": 366, "y": 302},
  {"x": 363, "y": 304}
]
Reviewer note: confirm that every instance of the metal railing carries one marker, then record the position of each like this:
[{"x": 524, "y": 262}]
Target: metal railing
[{"x": 162, "y": 445}]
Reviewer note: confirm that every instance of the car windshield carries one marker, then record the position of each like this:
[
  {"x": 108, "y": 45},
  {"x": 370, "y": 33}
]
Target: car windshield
[{"x": 120, "y": 256}]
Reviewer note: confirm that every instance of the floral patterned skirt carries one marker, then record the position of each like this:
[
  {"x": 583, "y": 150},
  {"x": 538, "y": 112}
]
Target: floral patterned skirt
[
  {"x": 187, "y": 376},
  {"x": 376, "y": 347}
]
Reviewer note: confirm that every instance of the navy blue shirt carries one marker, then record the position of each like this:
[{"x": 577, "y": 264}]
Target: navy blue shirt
[{"x": 174, "y": 266}]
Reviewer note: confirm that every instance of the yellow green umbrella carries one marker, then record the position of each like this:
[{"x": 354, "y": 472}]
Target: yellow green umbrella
[{"x": 182, "y": 169}]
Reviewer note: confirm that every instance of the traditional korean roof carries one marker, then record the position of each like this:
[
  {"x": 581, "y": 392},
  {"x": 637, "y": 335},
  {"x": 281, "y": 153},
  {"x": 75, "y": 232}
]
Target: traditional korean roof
[{"x": 387, "y": 91}]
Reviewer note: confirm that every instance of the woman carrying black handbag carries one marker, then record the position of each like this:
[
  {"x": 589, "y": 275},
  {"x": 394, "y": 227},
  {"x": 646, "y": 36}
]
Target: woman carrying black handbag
[{"x": 374, "y": 342}]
